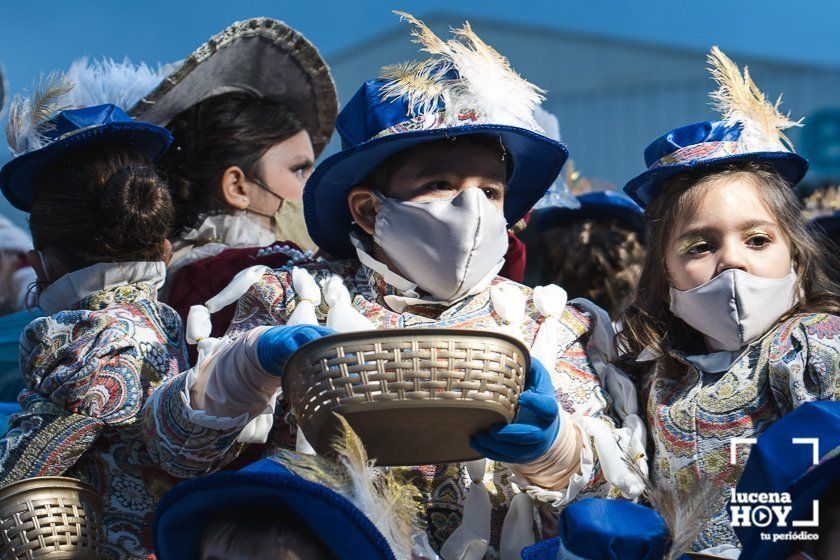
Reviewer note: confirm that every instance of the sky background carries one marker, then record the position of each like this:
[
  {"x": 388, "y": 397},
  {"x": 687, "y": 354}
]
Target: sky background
[{"x": 38, "y": 37}]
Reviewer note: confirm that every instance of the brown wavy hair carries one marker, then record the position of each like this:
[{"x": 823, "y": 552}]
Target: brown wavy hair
[
  {"x": 647, "y": 320},
  {"x": 596, "y": 259}
]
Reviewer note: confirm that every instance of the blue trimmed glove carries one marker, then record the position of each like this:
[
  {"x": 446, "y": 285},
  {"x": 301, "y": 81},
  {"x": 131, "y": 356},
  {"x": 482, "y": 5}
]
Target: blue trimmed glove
[
  {"x": 533, "y": 430},
  {"x": 278, "y": 343}
]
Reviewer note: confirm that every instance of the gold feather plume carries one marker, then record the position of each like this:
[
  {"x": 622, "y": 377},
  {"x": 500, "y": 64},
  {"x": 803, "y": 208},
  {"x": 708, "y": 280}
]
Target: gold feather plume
[
  {"x": 28, "y": 115},
  {"x": 486, "y": 84},
  {"x": 739, "y": 100},
  {"x": 380, "y": 495}
]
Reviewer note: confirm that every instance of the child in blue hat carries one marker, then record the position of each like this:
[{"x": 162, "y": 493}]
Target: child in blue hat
[
  {"x": 290, "y": 506},
  {"x": 438, "y": 158},
  {"x": 99, "y": 214},
  {"x": 594, "y": 251},
  {"x": 735, "y": 320}
]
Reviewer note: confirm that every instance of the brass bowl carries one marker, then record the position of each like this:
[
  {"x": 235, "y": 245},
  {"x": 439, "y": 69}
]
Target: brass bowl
[
  {"x": 51, "y": 517},
  {"x": 414, "y": 396}
]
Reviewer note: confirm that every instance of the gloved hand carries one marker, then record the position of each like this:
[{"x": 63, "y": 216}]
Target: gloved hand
[
  {"x": 278, "y": 343},
  {"x": 533, "y": 430}
]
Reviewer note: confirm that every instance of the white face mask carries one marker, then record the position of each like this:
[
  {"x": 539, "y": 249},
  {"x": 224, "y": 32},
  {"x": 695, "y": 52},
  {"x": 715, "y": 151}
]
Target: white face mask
[
  {"x": 735, "y": 308},
  {"x": 446, "y": 247}
]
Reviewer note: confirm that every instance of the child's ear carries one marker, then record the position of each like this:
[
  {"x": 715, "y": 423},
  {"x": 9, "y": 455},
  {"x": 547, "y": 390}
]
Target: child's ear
[
  {"x": 363, "y": 207},
  {"x": 234, "y": 188}
]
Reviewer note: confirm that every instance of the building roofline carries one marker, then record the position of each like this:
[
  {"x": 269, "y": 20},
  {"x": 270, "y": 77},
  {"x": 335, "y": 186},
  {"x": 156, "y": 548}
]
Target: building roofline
[{"x": 346, "y": 53}]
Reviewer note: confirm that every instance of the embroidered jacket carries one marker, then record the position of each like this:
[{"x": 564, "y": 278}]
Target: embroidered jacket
[
  {"x": 88, "y": 372},
  {"x": 188, "y": 446},
  {"x": 693, "y": 415}
]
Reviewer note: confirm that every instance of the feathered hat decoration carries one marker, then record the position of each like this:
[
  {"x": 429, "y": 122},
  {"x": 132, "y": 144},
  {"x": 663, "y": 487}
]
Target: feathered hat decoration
[
  {"x": 86, "y": 84},
  {"x": 378, "y": 493},
  {"x": 462, "y": 76},
  {"x": 751, "y": 129},
  {"x": 739, "y": 101}
]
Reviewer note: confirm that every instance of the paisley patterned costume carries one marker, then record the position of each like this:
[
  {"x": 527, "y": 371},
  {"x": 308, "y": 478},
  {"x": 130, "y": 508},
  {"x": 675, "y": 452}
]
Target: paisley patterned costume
[
  {"x": 693, "y": 414},
  {"x": 188, "y": 448},
  {"x": 88, "y": 371}
]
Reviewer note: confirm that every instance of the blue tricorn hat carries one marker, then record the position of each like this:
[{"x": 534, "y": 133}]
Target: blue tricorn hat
[
  {"x": 68, "y": 131},
  {"x": 750, "y": 131},
  {"x": 393, "y": 114},
  {"x": 189, "y": 507},
  {"x": 605, "y": 529},
  {"x": 805, "y": 470},
  {"x": 593, "y": 205}
]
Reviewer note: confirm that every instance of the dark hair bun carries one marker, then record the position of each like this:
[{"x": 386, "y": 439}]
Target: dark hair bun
[
  {"x": 102, "y": 205},
  {"x": 135, "y": 211}
]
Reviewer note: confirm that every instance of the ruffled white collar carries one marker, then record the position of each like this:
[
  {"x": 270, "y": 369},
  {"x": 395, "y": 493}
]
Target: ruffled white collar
[
  {"x": 77, "y": 285},
  {"x": 234, "y": 230}
]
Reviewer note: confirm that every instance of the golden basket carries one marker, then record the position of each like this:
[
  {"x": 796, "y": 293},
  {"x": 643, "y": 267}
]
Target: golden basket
[
  {"x": 414, "y": 396},
  {"x": 52, "y": 518}
]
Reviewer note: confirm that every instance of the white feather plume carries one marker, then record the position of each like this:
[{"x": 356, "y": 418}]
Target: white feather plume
[
  {"x": 740, "y": 101},
  {"x": 123, "y": 84},
  {"x": 486, "y": 86},
  {"x": 85, "y": 84}
]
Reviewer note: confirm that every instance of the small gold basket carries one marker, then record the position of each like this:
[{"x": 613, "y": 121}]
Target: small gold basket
[
  {"x": 414, "y": 396},
  {"x": 52, "y": 518}
]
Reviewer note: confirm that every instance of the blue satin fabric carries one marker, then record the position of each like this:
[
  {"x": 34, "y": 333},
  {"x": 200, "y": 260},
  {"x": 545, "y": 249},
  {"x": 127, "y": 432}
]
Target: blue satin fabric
[
  {"x": 776, "y": 464},
  {"x": 593, "y": 205},
  {"x": 605, "y": 529},
  {"x": 689, "y": 135},
  {"x": 187, "y": 509},
  {"x": 91, "y": 125}
]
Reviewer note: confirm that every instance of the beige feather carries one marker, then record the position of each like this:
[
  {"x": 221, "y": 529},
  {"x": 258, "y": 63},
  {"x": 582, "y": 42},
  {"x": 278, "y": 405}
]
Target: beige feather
[
  {"x": 486, "y": 86},
  {"x": 684, "y": 513},
  {"x": 385, "y": 499},
  {"x": 28, "y": 116},
  {"x": 739, "y": 100},
  {"x": 432, "y": 44},
  {"x": 419, "y": 81}
]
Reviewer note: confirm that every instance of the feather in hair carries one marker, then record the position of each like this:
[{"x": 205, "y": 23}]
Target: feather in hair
[
  {"x": 28, "y": 116},
  {"x": 486, "y": 83},
  {"x": 684, "y": 513},
  {"x": 740, "y": 101},
  {"x": 380, "y": 495},
  {"x": 106, "y": 81}
]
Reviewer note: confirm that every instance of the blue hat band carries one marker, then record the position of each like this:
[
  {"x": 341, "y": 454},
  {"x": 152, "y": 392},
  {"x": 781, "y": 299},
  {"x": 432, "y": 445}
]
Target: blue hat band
[{"x": 699, "y": 152}]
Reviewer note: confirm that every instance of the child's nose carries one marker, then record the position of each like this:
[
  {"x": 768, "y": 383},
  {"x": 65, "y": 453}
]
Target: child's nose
[{"x": 732, "y": 256}]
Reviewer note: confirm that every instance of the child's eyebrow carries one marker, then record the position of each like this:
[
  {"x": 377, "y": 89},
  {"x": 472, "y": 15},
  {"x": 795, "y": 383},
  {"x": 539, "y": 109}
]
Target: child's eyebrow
[
  {"x": 752, "y": 224},
  {"x": 708, "y": 231}
]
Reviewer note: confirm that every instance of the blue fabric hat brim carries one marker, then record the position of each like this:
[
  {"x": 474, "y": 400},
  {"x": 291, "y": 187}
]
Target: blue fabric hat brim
[
  {"x": 537, "y": 161},
  {"x": 19, "y": 177},
  {"x": 185, "y": 510},
  {"x": 647, "y": 186},
  {"x": 594, "y": 205}
]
